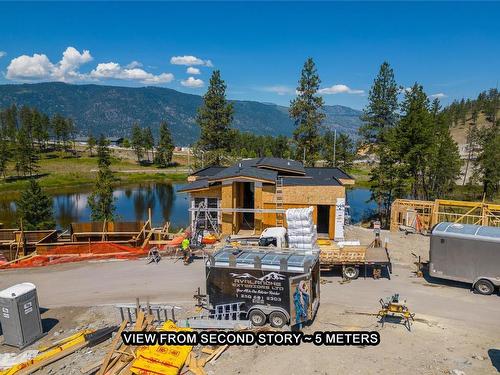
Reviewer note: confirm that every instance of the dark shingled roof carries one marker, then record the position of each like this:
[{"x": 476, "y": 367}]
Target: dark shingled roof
[
  {"x": 328, "y": 172},
  {"x": 268, "y": 169},
  {"x": 245, "y": 171},
  {"x": 281, "y": 164},
  {"x": 207, "y": 171},
  {"x": 198, "y": 184}
]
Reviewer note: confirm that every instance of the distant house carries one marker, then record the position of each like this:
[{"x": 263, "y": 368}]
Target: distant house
[
  {"x": 113, "y": 141},
  {"x": 244, "y": 195}
]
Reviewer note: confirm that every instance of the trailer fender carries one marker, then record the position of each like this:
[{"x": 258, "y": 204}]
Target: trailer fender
[
  {"x": 495, "y": 281},
  {"x": 269, "y": 309}
]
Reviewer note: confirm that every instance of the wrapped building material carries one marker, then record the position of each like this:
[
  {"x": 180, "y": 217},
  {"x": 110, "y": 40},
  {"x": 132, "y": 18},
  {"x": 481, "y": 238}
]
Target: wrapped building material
[{"x": 302, "y": 233}]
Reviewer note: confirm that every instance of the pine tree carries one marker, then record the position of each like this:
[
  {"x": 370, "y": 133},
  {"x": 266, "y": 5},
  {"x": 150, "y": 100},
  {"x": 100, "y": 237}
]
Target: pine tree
[
  {"x": 488, "y": 160},
  {"x": 165, "y": 149},
  {"x": 5, "y": 153},
  {"x": 11, "y": 123},
  {"x": 342, "y": 155},
  {"x": 414, "y": 138},
  {"x": 381, "y": 113},
  {"x": 379, "y": 119},
  {"x": 101, "y": 201},
  {"x": 214, "y": 118},
  {"x": 307, "y": 112},
  {"x": 91, "y": 144},
  {"x": 25, "y": 153},
  {"x": 58, "y": 124},
  {"x": 444, "y": 158},
  {"x": 471, "y": 138},
  {"x": 35, "y": 208},
  {"x": 137, "y": 141},
  {"x": 148, "y": 141}
]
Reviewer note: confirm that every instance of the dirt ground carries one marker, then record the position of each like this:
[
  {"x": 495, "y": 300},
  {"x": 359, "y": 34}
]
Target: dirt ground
[{"x": 455, "y": 332}]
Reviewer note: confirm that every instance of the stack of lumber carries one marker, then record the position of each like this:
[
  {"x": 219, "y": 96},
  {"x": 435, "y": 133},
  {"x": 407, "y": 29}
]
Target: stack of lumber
[
  {"x": 119, "y": 356},
  {"x": 122, "y": 359},
  {"x": 337, "y": 255}
]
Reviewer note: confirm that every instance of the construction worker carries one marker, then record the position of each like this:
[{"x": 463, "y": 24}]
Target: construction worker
[{"x": 186, "y": 251}]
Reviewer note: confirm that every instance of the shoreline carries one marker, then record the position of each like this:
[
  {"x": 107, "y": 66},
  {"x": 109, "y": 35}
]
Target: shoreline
[{"x": 58, "y": 183}]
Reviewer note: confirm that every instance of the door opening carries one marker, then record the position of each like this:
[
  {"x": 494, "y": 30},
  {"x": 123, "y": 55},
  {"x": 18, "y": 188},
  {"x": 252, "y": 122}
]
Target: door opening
[
  {"x": 247, "y": 218},
  {"x": 323, "y": 220}
]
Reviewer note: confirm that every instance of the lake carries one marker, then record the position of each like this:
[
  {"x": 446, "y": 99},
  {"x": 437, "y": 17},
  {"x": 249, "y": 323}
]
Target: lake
[{"x": 132, "y": 203}]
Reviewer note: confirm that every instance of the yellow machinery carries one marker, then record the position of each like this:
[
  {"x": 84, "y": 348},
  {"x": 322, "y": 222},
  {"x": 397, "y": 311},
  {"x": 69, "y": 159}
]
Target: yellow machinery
[{"x": 393, "y": 307}]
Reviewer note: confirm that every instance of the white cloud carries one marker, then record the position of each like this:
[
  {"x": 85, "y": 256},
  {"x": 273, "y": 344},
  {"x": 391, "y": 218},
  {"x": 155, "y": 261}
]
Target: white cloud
[
  {"x": 189, "y": 60},
  {"x": 30, "y": 67},
  {"x": 2, "y": 54},
  {"x": 113, "y": 70},
  {"x": 134, "y": 64},
  {"x": 39, "y": 67},
  {"x": 279, "y": 89},
  {"x": 439, "y": 95},
  {"x": 192, "y": 82},
  {"x": 192, "y": 70},
  {"x": 339, "y": 89},
  {"x": 67, "y": 68}
]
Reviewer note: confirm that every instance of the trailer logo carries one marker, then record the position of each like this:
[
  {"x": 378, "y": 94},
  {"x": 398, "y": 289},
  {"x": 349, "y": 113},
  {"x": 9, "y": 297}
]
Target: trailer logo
[{"x": 269, "y": 277}]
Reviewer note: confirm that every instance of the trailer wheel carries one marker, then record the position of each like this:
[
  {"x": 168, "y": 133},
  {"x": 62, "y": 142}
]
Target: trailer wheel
[
  {"x": 485, "y": 287},
  {"x": 257, "y": 317},
  {"x": 277, "y": 319},
  {"x": 350, "y": 272}
]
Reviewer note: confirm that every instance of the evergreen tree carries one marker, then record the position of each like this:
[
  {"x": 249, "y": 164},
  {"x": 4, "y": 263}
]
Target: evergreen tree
[
  {"x": 165, "y": 149},
  {"x": 4, "y": 145},
  {"x": 148, "y": 141},
  {"x": 101, "y": 201},
  {"x": 414, "y": 138},
  {"x": 137, "y": 141},
  {"x": 379, "y": 119},
  {"x": 488, "y": 160},
  {"x": 471, "y": 138},
  {"x": 214, "y": 118},
  {"x": 25, "y": 153},
  {"x": 344, "y": 151},
  {"x": 35, "y": 208},
  {"x": 11, "y": 123},
  {"x": 381, "y": 113},
  {"x": 444, "y": 159},
  {"x": 91, "y": 144},
  {"x": 306, "y": 111},
  {"x": 58, "y": 124}
]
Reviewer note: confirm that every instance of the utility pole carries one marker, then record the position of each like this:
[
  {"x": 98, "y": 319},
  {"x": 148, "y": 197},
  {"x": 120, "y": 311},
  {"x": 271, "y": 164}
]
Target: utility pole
[{"x": 334, "y": 147}]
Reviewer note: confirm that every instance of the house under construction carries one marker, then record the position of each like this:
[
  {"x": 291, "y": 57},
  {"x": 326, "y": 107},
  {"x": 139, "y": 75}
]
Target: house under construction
[{"x": 253, "y": 194}]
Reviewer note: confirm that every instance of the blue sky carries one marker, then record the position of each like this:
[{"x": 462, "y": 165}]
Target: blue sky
[{"x": 453, "y": 49}]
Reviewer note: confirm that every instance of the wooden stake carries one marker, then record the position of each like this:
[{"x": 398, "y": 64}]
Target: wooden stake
[{"x": 115, "y": 341}]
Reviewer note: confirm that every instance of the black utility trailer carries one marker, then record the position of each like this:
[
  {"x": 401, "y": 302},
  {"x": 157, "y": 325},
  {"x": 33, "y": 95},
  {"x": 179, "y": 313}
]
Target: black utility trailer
[{"x": 279, "y": 287}]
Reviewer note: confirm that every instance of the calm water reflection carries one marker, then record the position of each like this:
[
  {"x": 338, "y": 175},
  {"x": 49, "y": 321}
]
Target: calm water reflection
[{"x": 132, "y": 203}]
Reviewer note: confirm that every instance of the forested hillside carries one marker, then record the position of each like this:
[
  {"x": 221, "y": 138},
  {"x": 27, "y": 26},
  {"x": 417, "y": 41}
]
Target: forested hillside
[{"x": 112, "y": 110}]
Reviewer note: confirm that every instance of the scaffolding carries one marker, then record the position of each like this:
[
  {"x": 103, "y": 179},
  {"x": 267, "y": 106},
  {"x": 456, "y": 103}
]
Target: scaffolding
[{"x": 423, "y": 215}]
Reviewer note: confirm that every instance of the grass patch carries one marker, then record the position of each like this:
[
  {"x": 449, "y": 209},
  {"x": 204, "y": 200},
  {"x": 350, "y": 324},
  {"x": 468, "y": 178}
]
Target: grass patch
[{"x": 361, "y": 175}]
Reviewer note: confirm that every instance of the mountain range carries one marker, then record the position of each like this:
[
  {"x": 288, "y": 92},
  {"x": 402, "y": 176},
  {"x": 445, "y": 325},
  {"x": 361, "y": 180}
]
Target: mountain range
[{"x": 111, "y": 110}]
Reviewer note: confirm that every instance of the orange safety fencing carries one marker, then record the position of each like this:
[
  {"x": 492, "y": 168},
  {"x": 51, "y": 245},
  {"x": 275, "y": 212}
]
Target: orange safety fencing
[{"x": 77, "y": 253}]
